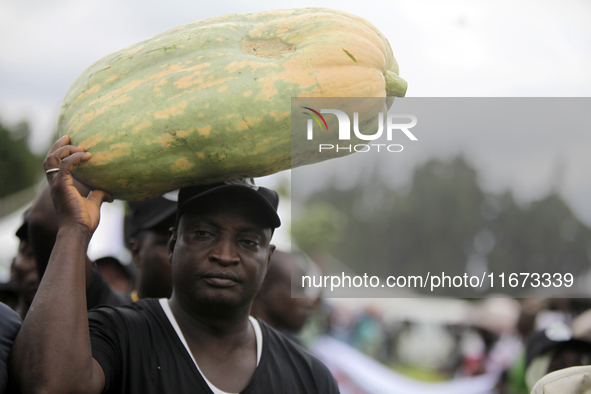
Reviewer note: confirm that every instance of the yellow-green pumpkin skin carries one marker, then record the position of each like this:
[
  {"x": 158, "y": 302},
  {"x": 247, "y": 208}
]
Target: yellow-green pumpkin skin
[{"x": 210, "y": 101}]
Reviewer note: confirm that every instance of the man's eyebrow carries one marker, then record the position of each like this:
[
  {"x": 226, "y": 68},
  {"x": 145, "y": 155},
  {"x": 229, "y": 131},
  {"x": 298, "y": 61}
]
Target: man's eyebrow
[
  {"x": 205, "y": 221},
  {"x": 257, "y": 229},
  {"x": 211, "y": 221}
]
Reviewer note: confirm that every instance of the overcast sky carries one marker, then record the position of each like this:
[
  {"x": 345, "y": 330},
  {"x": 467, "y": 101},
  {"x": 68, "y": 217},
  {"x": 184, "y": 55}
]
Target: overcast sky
[
  {"x": 444, "y": 48},
  {"x": 488, "y": 48}
]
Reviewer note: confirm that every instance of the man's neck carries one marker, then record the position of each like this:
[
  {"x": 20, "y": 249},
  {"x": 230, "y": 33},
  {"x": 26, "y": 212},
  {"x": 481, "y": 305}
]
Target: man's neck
[
  {"x": 205, "y": 323},
  {"x": 219, "y": 340}
]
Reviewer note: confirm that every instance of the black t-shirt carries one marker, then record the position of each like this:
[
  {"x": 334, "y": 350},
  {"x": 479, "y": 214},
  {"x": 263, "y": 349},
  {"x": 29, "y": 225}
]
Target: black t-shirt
[
  {"x": 10, "y": 324},
  {"x": 140, "y": 352}
]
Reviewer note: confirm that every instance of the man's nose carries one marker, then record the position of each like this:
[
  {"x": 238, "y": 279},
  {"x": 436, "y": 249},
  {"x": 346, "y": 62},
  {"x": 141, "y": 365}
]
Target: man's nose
[{"x": 224, "y": 252}]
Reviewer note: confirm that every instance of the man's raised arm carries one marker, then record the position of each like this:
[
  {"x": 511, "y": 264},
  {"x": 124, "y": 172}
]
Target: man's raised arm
[{"x": 52, "y": 351}]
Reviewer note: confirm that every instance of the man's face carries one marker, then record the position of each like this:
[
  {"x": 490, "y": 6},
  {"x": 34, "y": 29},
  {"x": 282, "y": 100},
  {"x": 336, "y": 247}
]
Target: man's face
[
  {"x": 291, "y": 313},
  {"x": 25, "y": 271},
  {"x": 150, "y": 254},
  {"x": 220, "y": 253},
  {"x": 287, "y": 313}
]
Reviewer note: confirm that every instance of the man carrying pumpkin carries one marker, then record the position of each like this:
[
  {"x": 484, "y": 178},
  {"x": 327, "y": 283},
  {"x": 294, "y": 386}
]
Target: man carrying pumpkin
[{"x": 201, "y": 340}]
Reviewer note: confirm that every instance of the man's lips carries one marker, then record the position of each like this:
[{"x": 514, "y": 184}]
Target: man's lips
[{"x": 220, "y": 279}]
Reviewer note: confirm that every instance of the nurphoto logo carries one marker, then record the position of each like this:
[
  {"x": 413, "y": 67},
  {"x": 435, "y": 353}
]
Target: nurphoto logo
[{"x": 344, "y": 130}]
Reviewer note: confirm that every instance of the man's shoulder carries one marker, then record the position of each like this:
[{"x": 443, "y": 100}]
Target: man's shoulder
[
  {"x": 9, "y": 319},
  {"x": 279, "y": 340},
  {"x": 142, "y": 310},
  {"x": 10, "y": 324},
  {"x": 140, "y": 306},
  {"x": 284, "y": 351},
  {"x": 141, "y": 324}
]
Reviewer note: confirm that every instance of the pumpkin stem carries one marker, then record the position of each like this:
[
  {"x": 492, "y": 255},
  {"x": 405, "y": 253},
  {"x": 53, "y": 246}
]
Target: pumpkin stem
[{"x": 395, "y": 86}]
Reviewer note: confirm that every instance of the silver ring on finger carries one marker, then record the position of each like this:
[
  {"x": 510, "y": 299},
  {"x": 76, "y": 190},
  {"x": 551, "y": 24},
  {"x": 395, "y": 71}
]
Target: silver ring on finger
[{"x": 52, "y": 170}]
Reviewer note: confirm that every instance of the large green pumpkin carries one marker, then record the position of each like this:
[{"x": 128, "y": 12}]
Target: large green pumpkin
[{"x": 210, "y": 101}]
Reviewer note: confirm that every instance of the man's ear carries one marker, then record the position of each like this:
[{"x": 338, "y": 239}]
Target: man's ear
[
  {"x": 133, "y": 244},
  {"x": 271, "y": 250},
  {"x": 171, "y": 243}
]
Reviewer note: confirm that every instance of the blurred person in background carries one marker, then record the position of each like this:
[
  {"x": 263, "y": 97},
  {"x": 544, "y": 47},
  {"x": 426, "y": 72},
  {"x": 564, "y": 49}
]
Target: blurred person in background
[
  {"x": 553, "y": 349},
  {"x": 120, "y": 277},
  {"x": 573, "y": 379},
  {"x": 8, "y": 293},
  {"x": 42, "y": 233},
  {"x": 526, "y": 324},
  {"x": 274, "y": 303},
  {"x": 496, "y": 345},
  {"x": 537, "y": 315},
  {"x": 10, "y": 324},
  {"x": 581, "y": 325},
  {"x": 147, "y": 230},
  {"x": 369, "y": 333},
  {"x": 24, "y": 270}
]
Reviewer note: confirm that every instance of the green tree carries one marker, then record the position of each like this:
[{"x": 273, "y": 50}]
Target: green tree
[
  {"x": 19, "y": 167},
  {"x": 446, "y": 223}
]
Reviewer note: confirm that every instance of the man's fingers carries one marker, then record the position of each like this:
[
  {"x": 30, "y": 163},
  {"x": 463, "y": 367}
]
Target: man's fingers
[
  {"x": 74, "y": 159},
  {"x": 100, "y": 196},
  {"x": 59, "y": 143},
  {"x": 53, "y": 160},
  {"x": 50, "y": 164},
  {"x": 67, "y": 165},
  {"x": 66, "y": 151},
  {"x": 62, "y": 152}
]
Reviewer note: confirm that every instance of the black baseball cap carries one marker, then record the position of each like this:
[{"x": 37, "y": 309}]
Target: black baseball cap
[
  {"x": 144, "y": 215},
  {"x": 266, "y": 200}
]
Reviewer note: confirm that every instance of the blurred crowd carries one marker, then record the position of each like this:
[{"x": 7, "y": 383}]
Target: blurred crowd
[{"x": 517, "y": 342}]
